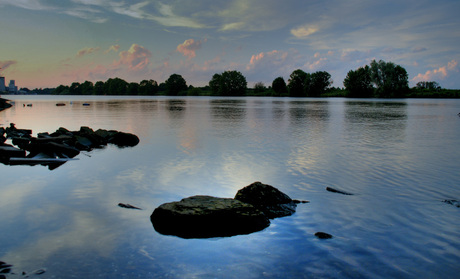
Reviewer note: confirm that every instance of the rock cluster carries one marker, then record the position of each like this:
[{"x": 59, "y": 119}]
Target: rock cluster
[
  {"x": 206, "y": 216},
  {"x": 57, "y": 147}
]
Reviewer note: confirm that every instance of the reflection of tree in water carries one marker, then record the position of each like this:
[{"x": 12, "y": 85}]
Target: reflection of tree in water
[
  {"x": 308, "y": 112},
  {"x": 176, "y": 108},
  {"x": 228, "y": 115},
  {"x": 376, "y": 122}
]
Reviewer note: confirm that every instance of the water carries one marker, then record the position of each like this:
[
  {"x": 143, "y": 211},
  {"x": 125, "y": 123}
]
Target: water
[{"x": 399, "y": 157}]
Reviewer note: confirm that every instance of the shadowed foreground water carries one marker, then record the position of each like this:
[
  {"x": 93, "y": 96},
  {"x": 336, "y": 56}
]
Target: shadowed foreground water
[{"x": 400, "y": 159}]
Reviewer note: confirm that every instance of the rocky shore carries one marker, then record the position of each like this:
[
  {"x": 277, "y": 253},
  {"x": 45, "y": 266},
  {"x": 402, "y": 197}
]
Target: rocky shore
[{"x": 56, "y": 148}]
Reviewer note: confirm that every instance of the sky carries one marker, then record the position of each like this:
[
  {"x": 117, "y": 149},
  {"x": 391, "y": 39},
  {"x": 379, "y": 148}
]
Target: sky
[{"x": 46, "y": 43}]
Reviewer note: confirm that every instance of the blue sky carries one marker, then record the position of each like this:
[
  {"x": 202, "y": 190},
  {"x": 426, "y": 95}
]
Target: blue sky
[{"x": 45, "y": 43}]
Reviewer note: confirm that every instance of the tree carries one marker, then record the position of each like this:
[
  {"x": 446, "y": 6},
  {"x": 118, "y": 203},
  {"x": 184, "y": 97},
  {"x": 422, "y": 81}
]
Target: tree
[
  {"x": 259, "y": 87},
  {"x": 75, "y": 89},
  {"x": 429, "y": 85},
  {"x": 133, "y": 88},
  {"x": 297, "y": 83},
  {"x": 214, "y": 83},
  {"x": 115, "y": 86},
  {"x": 175, "y": 84},
  {"x": 279, "y": 86},
  {"x": 390, "y": 80},
  {"x": 99, "y": 88},
  {"x": 317, "y": 83},
  {"x": 62, "y": 90},
  {"x": 358, "y": 83},
  {"x": 229, "y": 83},
  {"x": 148, "y": 87},
  {"x": 87, "y": 88}
]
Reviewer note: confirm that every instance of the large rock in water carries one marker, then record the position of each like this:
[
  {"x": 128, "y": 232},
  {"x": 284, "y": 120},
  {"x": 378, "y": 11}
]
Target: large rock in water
[
  {"x": 267, "y": 199},
  {"x": 205, "y": 217}
]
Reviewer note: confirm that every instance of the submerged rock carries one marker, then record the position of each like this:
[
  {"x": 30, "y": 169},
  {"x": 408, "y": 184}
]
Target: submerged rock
[
  {"x": 330, "y": 189},
  {"x": 206, "y": 216},
  {"x": 453, "y": 202},
  {"x": 323, "y": 235},
  {"x": 268, "y": 199}
]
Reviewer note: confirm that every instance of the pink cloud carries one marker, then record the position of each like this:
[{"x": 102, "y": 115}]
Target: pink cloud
[
  {"x": 272, "y": 57},
  {"x": 86, "y": 50},
  {"x": 189, "y": 48},
  {"x": 439, "y": 73},
  {"x": 6, "y": 64},
  {"x": 136, "y": 58}
]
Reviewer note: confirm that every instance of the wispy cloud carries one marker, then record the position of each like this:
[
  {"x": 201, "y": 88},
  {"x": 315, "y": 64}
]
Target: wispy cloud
[
  {"x": 114, "y": 48},
  {"x": 303, "y": 32},
  {"x": 6, "y": 64},
  {"x": 86, "y": 50}
]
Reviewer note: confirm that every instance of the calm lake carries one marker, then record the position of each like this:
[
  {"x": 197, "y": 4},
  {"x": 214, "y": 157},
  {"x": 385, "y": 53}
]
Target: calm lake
[{"x": 400, "y": 159}]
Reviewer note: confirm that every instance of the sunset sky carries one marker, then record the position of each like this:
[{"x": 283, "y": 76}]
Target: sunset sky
[{"x": 45, "y": 43}]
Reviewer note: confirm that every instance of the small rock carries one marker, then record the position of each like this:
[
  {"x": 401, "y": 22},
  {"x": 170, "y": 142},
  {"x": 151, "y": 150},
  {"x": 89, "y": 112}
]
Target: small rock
[
  {"x": 338, "y": 191},
  {"x": 267, "y": 199},
  {"x": 323, "y": 235},
  {"x": 452, "y": 202},
  {"x": 127, "y": 205},
  {"x": 122, "y": 139}
]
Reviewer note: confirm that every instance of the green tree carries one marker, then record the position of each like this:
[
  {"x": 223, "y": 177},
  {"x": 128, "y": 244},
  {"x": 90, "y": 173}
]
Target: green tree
[
  {"x": 62, "y": 90},
  {"x": 133, "y": 88},
  {"x": 229, "y": 83},
  {"x": 317, "y": 83},
  {"x": 358, "y": 83},
  {"x": 115, "y": 86},
  {"x": 148, "y": 87},
  {"x": 99, "y": 88},
  {"x": 297, "y": 83},
  {"x": 87, "y": 88},
  {"x": 75, "y": 89},
  {"x": 429, "y": 85},
  {"x": 279, "y": 86},
  {"x": 259, "y": 87},
  {"x": 175, "y": 84},
  {"x": 214, "y": 83},
  {"x": 390, "y": 80}
]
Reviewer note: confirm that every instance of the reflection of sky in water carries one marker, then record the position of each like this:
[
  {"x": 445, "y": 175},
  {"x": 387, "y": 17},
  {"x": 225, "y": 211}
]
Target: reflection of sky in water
[{"x": 398, "y": 157}]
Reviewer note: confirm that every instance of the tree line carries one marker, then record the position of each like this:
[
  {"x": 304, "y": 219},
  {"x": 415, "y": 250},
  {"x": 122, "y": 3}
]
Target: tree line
[{"x": 377, "y": 80}]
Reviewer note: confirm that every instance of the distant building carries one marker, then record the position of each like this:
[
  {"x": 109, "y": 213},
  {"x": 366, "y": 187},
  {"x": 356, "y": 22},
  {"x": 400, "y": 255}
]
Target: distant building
[
  {"x": 2, "y": 84},
  {"x": 12, "y": 88}
]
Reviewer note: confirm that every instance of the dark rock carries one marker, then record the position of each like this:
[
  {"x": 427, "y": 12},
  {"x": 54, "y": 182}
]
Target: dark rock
[
  {"x": 323, "y": 235},
  {"x": 106, "y": 135},
  {"x": 267, "y": 199},
  {"x": 127, "y": 205},
  {"x": 453, "y": 202},
  {"x": 205, "y": 217},
  {"x": 338, "y": 191},
  {"x": 7, "y": 151},
  {"x": 299, "y": 201},
  {"x": 122, "y": 139}
]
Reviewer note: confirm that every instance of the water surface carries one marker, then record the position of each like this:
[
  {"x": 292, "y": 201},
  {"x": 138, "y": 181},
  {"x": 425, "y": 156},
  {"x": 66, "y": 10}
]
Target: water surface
[{"x": 400, "y": 158}]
